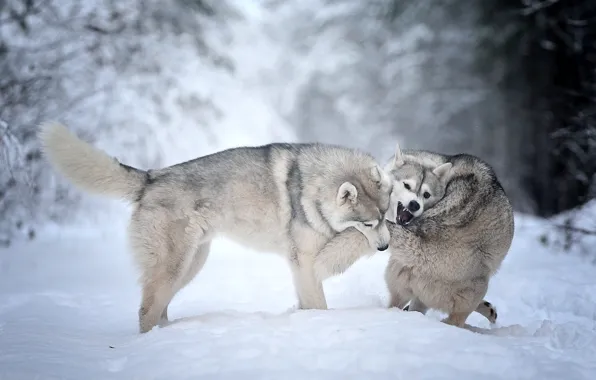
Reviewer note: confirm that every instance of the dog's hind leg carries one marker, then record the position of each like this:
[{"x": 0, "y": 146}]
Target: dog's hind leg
[
  {"x": 197, "y": 263},
  {"x": 488, "y": 310},
  {"x": 457, "y": 318},
  {"x": 465, "y": 300},
  {"x": 157, "y": 292},
  {"x": 398, "y": 298},
  {"x": 165, "y": 255},
  {"x": 417, "y": 305}
]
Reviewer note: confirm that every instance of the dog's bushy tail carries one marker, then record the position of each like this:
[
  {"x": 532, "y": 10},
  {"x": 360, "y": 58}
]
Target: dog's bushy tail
[{"x": 88, "y": 167}]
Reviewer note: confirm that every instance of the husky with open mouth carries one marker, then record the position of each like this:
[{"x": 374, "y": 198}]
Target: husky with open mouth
[
  {"x": 417, "y": 184},
  {"x": 452, "y": 227}
]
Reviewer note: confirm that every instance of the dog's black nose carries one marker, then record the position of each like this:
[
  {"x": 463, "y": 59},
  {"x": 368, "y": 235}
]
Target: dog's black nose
[
  {"x": 413, "y": 206},
  {"x": 383, "y": 248}
]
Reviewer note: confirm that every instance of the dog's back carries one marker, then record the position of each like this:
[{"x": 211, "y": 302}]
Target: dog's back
[
  {"x": 491, "y": 227},
  {"x": 475, "y": 218}
]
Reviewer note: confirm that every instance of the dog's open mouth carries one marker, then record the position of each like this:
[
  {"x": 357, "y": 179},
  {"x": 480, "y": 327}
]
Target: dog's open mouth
[{"x": 404, "y": 216}]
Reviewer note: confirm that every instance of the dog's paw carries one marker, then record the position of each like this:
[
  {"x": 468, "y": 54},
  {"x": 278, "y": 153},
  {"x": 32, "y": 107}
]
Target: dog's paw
[{"x": 488, "y": 310}]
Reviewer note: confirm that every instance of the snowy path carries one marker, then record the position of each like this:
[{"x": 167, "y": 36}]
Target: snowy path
[{"x": 68, "y": 309}]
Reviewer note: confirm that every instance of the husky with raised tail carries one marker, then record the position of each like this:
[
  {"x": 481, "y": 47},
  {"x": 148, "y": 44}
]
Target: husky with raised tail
[{"x": 289, "y": 199}]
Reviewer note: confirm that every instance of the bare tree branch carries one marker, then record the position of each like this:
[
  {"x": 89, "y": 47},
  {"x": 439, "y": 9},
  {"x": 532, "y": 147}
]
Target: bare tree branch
[{"x": 583, "y": 231}]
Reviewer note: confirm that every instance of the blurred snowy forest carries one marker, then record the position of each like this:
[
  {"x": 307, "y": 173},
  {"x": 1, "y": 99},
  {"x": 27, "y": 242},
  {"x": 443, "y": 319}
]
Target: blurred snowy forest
[{"x": 158, "y": 82}]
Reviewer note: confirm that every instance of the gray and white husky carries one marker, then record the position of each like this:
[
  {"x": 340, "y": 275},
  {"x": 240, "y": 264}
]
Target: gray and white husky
[
  {"x": 453, "y": 227},
  {"x": 285, "y": 198}
]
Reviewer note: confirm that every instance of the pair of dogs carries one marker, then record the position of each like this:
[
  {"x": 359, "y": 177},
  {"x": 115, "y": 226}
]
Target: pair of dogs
[{"x": 446, "y": 219}]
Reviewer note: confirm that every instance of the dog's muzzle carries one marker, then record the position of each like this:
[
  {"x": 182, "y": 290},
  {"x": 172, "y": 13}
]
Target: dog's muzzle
[
  {"x": 383, "y": 247},
  {"x": 404, "y": 216}
]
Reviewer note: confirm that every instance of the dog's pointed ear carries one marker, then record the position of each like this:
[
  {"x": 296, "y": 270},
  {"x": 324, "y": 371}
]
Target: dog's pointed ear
[
  {"x": 391, "y": 214},
  {"x": 347, "y": 193},
  {"x": 379, "y": 176},
  {"x": 376, "y": 173},
  {"x": 398, "y": 159},
  {"x": 442, "y": 171}
]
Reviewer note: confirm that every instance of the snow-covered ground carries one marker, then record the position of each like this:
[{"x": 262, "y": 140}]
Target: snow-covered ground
[
  {"x": 68, "y": 310},
  {"x": 69, "y": 299}
]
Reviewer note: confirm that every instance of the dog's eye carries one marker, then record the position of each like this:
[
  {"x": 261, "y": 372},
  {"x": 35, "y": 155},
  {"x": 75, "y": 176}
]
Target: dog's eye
[
  {"x": 426, "y": 194},
  {"x": 408, "y": 187},
  {"x": 367, "y": 224}
]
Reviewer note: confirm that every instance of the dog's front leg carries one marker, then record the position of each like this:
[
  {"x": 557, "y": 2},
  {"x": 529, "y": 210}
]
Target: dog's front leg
[
  {"x": 465, "y": 300},
  {"x": 308, "y": 288},
  {"x": 340, "y": 253}
]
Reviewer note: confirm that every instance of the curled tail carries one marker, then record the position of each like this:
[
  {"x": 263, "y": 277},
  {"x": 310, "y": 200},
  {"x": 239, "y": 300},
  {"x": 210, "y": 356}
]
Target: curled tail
[{"x": 88, "y": 167}]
